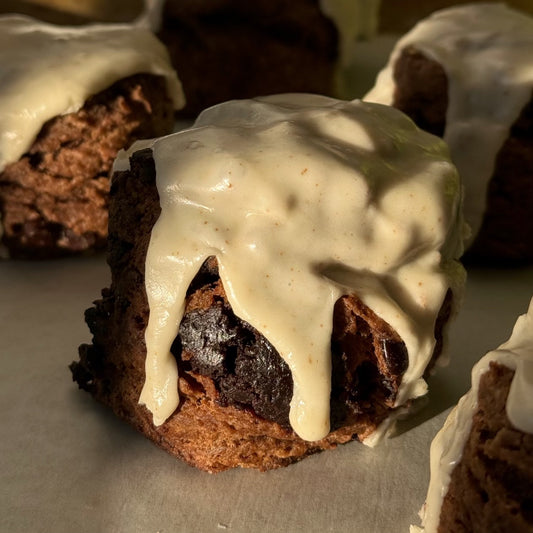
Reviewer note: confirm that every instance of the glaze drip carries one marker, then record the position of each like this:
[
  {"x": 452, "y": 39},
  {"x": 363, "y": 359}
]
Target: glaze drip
[{"x": 302, "y": 199}]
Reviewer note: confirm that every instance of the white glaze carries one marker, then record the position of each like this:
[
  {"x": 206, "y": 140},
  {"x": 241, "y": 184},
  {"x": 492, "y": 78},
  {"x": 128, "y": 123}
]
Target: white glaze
[
  {"x": 303, "y": 198},
  {"x": 151, "y": 15},
  {"x": 447, "y": 447},
  {"x": 354, "y": 19},
  {"x": 49, "y": 70},
  {"x": 486, "y": 51}
]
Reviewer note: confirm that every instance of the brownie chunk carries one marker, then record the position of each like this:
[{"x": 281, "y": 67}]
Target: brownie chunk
[
  {"x": 246, "y": 368},
  {"x": 368, "y": 357}
]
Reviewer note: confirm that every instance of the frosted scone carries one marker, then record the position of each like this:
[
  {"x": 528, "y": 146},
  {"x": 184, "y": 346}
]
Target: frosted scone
[
  {"x": 282, "y": 274},
  {"x": 227, "y": 49},
  {"x": 482, "y": 459},
  {"x": 70, "y": 99},
  {"x": 466, "y": 73}
]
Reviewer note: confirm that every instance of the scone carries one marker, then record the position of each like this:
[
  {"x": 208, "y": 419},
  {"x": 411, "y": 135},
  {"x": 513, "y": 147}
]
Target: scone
[
  {"x": 466, "y": 73},
  {"x": 482, "y": 459},
  {"x": 70, "y": 99},
  {"x": 282, "y": 277},
  {"x": 227, "y": 49}
]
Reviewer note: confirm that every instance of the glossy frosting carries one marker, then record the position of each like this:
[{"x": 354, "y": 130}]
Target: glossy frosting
[
  {"x": 486, "y": 51},
  {"x": 48, "y": 70},
  {"x": 447, "y": 447},
  {"x": 302, "y": 199}
]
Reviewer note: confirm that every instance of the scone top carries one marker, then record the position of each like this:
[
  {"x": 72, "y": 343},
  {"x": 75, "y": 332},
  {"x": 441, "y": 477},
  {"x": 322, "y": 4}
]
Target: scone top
[
  {"x": 302, "y": 199},
  {"x": 48, "y": 70},
  {"x": 486, "y": 51}
]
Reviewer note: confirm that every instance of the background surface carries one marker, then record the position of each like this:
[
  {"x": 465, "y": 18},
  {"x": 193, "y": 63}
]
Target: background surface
[{"x": 67, "y": 464}]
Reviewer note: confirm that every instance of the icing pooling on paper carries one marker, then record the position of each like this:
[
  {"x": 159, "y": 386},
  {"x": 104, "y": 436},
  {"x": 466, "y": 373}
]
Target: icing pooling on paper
[
  {"x": 447, "y": 447},
  {"x": 486, "y": 51},
  {"x": 302, "y": 199},
  {"x": 49, "y": 70}
]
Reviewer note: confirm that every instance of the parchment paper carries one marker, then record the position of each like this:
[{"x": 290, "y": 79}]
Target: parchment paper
[{"x": 68, "y": 465}]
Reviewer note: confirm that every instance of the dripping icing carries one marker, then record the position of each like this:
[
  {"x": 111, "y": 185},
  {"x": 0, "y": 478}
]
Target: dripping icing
[{"x": 281, "y": 189}]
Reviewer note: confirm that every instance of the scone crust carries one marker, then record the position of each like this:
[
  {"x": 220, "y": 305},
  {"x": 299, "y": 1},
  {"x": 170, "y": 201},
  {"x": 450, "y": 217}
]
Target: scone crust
[{"x": 54, "y": 200}]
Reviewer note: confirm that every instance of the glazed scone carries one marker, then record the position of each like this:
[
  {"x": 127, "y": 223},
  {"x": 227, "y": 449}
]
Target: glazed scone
[
  {"x": 466, "y": 73},
  {"x": 228, "y": 49},
  {"x": 70, "y": 99},
  {"x": 482, "y": 459},
  {"x": 300, "y": 260},
  {"x": 75, "y": 12}
]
